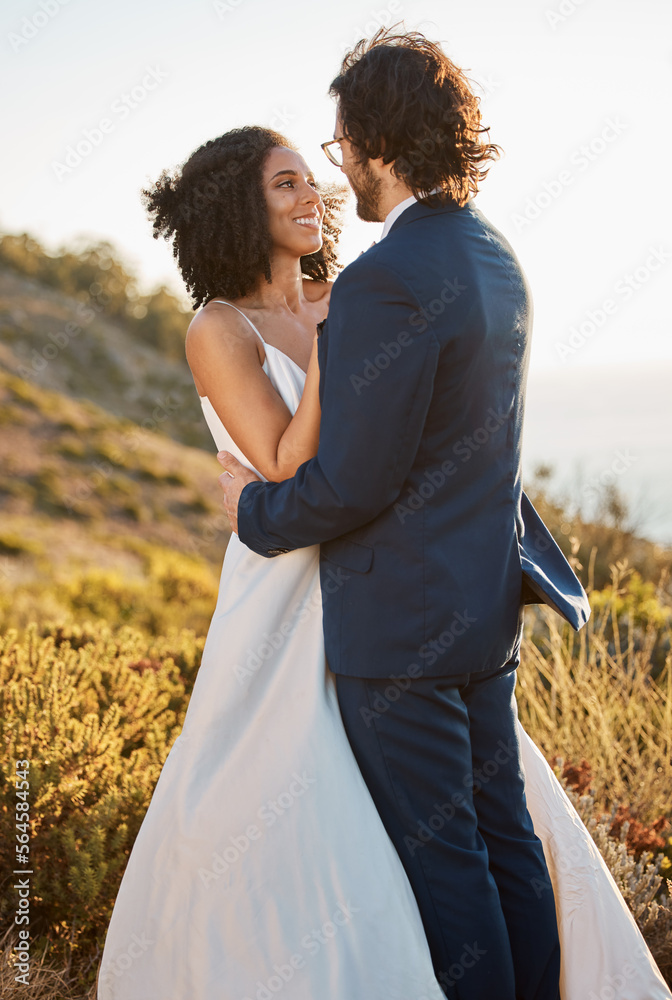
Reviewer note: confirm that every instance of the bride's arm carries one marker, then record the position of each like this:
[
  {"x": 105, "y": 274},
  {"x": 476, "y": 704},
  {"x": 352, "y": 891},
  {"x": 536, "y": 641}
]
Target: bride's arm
[
  {"x": 224, "y": 359},
  {"x": 302, "y": 436}
]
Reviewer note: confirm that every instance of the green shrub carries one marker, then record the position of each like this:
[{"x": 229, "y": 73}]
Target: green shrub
[
  {"x": 95, "y": 712},
  {"x": 170, "y": 590}
]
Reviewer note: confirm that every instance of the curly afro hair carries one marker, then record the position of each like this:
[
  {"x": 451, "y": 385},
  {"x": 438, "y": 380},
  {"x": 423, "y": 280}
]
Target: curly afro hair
[
  {"x": 213, "y": 210},
  {"x": 401, "y": 98}
]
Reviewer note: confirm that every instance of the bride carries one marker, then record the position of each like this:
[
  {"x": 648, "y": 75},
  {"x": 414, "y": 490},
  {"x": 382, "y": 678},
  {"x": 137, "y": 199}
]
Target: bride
[{"x": 262, "y": 866}]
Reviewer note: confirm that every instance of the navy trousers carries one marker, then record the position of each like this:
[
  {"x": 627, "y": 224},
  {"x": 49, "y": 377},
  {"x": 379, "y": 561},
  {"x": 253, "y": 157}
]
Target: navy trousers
[{"x": 441, "y": 758}]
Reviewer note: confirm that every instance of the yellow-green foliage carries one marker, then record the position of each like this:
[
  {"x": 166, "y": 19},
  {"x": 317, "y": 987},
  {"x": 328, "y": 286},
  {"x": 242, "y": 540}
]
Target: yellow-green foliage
[
  {"x": 176, "y": 590},
  {"x": 167, "y": 589},
  {"x": 638, "y": 603},
  {"x": 95, "y": 711},
  {"x": 96, "y": 708},
  {"x": 12, "y": 544}
]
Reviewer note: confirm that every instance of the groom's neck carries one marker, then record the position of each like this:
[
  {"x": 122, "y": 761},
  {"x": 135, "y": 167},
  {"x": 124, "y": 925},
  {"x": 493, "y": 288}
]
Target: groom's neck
[{"x": 391, "y": 193}]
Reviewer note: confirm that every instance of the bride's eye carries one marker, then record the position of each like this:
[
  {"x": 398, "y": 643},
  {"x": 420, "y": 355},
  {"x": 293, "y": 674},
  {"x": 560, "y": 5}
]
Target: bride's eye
[{"x": 313, "y": 184}]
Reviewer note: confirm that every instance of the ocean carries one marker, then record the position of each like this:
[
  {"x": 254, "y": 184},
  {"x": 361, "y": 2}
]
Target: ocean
[{"x": 605, "y": 425}]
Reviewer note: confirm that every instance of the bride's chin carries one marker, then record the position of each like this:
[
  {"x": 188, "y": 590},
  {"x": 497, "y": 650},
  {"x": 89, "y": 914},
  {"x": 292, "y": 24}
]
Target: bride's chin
[
  {"x": 310, "y": 246},
  {"x": 303, "y": 246}
]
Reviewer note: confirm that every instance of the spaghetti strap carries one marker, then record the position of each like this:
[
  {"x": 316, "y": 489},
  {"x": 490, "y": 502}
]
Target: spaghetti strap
[{"x": 225, "y": 303}]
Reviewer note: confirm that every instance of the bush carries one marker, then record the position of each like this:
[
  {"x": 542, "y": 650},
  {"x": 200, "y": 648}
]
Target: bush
[
  {"x": 96, "y": 276},
  {"x": 638, "y": 879},
  {"x": 602, "y": 534},
  {"x": 12, "y": 544},
  {"x": 95, "y": 713},
  {"x": 96, "y": 708},
  {"x": 599, "y": 694},
  {"x": 172, "y": 590}
]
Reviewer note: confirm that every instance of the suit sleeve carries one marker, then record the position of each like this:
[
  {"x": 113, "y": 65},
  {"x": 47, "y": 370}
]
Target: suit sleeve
[{"x": 377, "y": 384}]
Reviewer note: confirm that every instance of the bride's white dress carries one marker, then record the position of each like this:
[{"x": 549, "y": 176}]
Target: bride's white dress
[{"x": 262, "y": 866}]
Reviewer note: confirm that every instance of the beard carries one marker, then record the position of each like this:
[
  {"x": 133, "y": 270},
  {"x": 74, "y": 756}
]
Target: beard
[{"x": 366, "y": 187}]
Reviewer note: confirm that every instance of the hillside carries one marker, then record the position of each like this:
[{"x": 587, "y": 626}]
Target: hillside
[
  {"x": 105, "y": 362},
  {"x": 83, "y": 492}
]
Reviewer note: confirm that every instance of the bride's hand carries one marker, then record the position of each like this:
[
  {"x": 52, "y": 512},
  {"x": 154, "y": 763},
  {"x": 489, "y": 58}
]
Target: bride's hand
[{"x": 233, "y": 481}]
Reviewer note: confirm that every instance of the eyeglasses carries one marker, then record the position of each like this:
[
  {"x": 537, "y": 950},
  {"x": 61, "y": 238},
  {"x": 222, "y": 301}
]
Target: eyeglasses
[{"x": 336, "y": 156}]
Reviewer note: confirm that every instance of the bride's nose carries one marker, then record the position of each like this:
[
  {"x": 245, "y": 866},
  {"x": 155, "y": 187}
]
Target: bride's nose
[{"x": 310, "y": 194}]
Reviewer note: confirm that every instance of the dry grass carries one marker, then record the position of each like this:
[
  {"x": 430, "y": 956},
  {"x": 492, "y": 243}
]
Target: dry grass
[
  {"x": 47, "y": 981},
  {"x": 591, "y": 696}
]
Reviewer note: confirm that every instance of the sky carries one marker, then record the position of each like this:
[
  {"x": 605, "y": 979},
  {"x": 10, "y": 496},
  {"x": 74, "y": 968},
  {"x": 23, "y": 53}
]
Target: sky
[{"x": 576, "y": 93}]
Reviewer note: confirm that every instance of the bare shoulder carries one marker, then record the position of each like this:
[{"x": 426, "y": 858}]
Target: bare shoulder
[
  {"x": 220, "y": 325},
  {"x": 221, "y": 344}
]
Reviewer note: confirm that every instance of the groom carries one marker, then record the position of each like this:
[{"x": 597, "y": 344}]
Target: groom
[{"x": 428, "y": 547}]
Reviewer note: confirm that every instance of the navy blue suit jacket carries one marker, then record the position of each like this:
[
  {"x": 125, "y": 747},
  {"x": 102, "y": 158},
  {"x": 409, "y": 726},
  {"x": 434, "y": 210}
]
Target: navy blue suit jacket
[{"x": 429, "y": 547}]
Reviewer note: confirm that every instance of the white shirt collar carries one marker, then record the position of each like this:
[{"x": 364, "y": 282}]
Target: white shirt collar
[
  {"x": 392, "y": 216},
  {"x": 395, "y": 213}
]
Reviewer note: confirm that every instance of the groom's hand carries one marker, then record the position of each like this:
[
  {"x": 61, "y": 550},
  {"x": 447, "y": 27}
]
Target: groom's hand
[{"x": 233, "y": 481}]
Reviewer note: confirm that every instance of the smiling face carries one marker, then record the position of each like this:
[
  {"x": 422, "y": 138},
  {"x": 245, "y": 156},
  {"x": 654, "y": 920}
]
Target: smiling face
[{"x": 295, "y": 208}]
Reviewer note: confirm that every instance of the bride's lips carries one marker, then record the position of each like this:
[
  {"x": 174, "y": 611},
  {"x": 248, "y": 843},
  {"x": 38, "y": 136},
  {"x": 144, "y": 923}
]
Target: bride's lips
[{"x": 308, "y": 221}]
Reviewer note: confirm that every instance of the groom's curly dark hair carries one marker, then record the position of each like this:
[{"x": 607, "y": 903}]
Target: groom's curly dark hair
[
  {"x": 401, "y": 98},
  {"x": 213, "y": 209}
]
